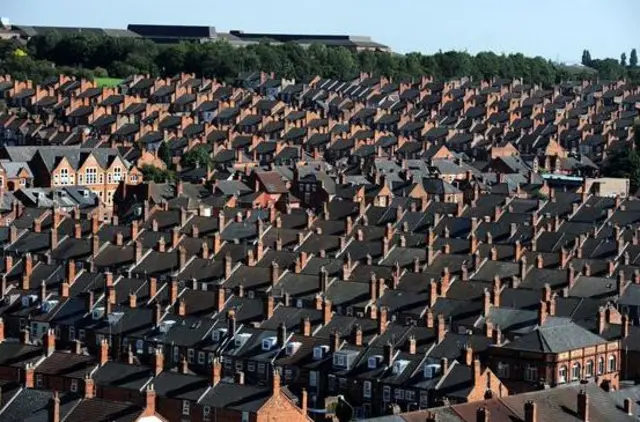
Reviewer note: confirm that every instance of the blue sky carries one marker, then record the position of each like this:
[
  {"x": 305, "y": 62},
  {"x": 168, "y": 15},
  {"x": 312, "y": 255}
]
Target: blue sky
[{"x": 555, "y": 29}]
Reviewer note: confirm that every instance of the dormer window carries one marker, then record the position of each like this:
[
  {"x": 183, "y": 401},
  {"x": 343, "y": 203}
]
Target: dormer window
[
  {"x": 373, "y": 361},
  {"x": 319, "y": 352},
  {"x": 292, "y": 347},
  {"x": 268, "y": 343},
  {"x": 399, "y": 366},
  {"x": 339, "y": 360}
]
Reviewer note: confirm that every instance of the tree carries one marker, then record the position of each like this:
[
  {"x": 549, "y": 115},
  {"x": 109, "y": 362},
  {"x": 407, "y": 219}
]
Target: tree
[
  {"x": 624, "y": 163},
  {"x": 586, "y": 58},
  {"x": 623, "y": 59},
  {"x": 196, "y": 157},
  {"x": 165, "y": 155},
  {"x": 633, "y": 58},
  {"x": 157, "y": 175}
]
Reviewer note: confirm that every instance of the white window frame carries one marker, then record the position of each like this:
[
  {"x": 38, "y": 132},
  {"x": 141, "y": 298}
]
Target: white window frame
[
  {"x": 588, "y": 368},
  {"x": 190, "y": 355},
  {"x": 612, "y": 363},
  {"x": 72, "y": 333},
  {"x": 81, "y": 335},
  {"x": 64, "y": 176},
  {"x": 186, "y": 407},
  {"x": 200, "y": 358},
  {"x": 366, "y": 389},
  {"x": 531, "y": 373},
  {"x": 91, "y": 176},
  {"x": 206, "y": 413},
  {"x": 313, "y": 378},
  {"x": 74, "y": 386},
  {"x": 576, "y": 371},
  {"x": 251, "y": 366},
  {"x": 386, "y": 393},
  {"x": 562, "y": 374}
]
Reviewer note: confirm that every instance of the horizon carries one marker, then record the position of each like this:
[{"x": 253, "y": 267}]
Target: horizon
[{"x": 523, "y": 34}]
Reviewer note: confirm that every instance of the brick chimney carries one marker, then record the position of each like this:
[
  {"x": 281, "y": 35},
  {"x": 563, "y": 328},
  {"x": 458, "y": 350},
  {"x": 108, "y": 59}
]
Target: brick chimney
[
  {"x": 326, "y": 311},
  {"x": 150, "y": 401},
  {"x": 173, "y": 291},
  {"x": 601, "y": 319},
  {"x": 182, "y": 307},
  {"x": 583, "y": 406},
  {"x": 1, "y": 330},
  {"x": 530, "y": 411},
  {"x": 542, "y": 313},
  {"x": 428, "y": 318},
  {"x": 89, "y": 387},
  {"x": 412, "y": 345},
  {"x": 268, "y": 307},
  {"x": 134, "y": 230},
  {"x": 440, "y": 328},
  {"x": 275, "y": 273},
  {"x": 158, "y": 361},
  {"x": 216, "y": 372},
  {"x": 282, "y": 335},
  {"x": 138, "y": 251},
  {"x": 104, "y": 352},
  {"x": 275, "y": 383},
  {"x": 382, "y": 319},
  {"x": 50, "y": 341},
  {"x": 54, "y": 408},
  {"x": 29, "y": 375},
  {"x": 25, "y": 336}
]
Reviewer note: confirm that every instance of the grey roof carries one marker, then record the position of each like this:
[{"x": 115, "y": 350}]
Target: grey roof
[{"x": 557, "y": 335}]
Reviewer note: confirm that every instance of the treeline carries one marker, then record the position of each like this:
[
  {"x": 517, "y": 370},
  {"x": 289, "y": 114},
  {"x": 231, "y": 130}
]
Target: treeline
[{"x": 90, "y": 55}]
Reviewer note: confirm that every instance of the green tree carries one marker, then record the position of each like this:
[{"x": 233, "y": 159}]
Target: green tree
[
  {"x": 196, "y": 157},
  {"x": 586, "y": 58},
  {"x": 157, "y": 175},
  {"x": 633, "y": 58},
  {"x": 165, "y": 155},
  {"x": 623, "y": 59},
  {"x": 624, "y": 163}
]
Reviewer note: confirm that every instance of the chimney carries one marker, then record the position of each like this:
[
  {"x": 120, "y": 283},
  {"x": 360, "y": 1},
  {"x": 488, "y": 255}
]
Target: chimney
[
  {"x": 54, "y": 408},
  {"x": 25, "y": 336},
  {"x": 373, "y": 288},
  {"x": 468, "y": 356},
  {"x": 216, "y": 372},
  {"x": 571, "y": 276},
  {"x": 282, "y": 334},
  {"x": 228, "y": 265},
  {"x": 239, "y": 378},
  {"x": 530, "y": 411},
  {"x": 173, "y": 290},
  {"x": 29, "y": 375},
  {"x": 440, "y": 328},
  {"x": 382, "y": 320},
  {"x": 305, "y": 325},
  {"x": 357, "y": 335},
  {"x": 89, "y": 387},
  {"x": 388, "y": 354},
  {"x": 275, "y": 273},
  {"x": 138, "y": 251},
  {"x": 275, "y": 383},
  {"x": 483, "y": 415},
  {"x": 184, "y": 365},
  {"x": 583, "y": 406},
  {"x": 628, "y": 406},
  {"x": 303, "y": 401},
  {"x": 134, "y": 230},
  {"x": 53, "y": 237},
  {"x": 158, "y": 361},
  {"x": 601, "y": 319},
  {"x": 50, "y": 341},
  {"x": 268, "y": 307},
  {"x": 624, "y": 322},
  {"x": 150, "y": 401},
  {"x": 412, "y": 345},
  {"x": 153, "y": 287},
  {"x": 182, "y": 307},
  {"x": 326, "y": 312},
  {"x": 104, "y": 352},
  {"x": 1, "y": 330},
  {"x": 542, "y": 313},
  {"x": 429, "y": 318},
  {"x": 220, "y": 299},
  {"x": 517, "y": 251},
  {"x": 95, "y": 224}
]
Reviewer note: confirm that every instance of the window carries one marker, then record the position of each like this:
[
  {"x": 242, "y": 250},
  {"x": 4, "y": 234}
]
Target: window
[
  {"x": 588, "y": 369},
  {"x": 612, "y": 363},
  {"x": 186, "y": 407},
  {"x": 503, "y": 370},
  {"x": 339, "y": 360},
  {"x": 176, "y": 353},
  {"x": 210, "y": 358},
  {"x": 39, "y": 381},
  {"x": 366, "y": 389},
  {"x": 74, "y": 386},
  {"x": 287, "y": 374},
  {"x": 80, "y": 179},
  {"x": 531, "y": 373},
  {"x": 576, "y": 371},
  {"x": 64, "y": 176},
  {"x": 117, "y": 174},
  {"x": 245, "y": 416},
  {"x": 313, "y": 378},
  {"x": 399, "y": 394},
  {"x": 251, "y": 366},
  {"x": 239, "y": 365},
  {"x": 200, "y": 358},
  {"x": 206, "y": 413},
  {"x": 410, "y": 395},
  {"x": 133, "y": 178},
  {"x": 91, "y": 175},
  {"x": 600, "y": 365},
  {"x": 386, "y": 393},
  {"x": 72, "y": 334},
  {"x": 562, "y": 374},
  {"x": 261, "y": 368},
  {"x": 81, "y": 335},
  {"x": 190, "y": 354}
]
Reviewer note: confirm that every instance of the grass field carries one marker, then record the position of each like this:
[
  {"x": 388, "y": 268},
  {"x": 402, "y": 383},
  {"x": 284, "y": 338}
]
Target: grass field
[{"x": 108, "y": 82}]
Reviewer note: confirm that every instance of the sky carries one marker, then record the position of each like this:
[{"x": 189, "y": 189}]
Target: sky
[{"x": 555, "y": 29}]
